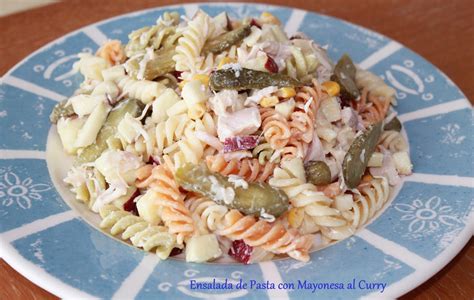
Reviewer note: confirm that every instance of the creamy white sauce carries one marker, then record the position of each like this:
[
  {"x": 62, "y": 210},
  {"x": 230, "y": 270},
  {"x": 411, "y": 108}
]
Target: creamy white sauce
[
  {"x": 238, "y": 181},
  {"x": 221, "y": 193}
]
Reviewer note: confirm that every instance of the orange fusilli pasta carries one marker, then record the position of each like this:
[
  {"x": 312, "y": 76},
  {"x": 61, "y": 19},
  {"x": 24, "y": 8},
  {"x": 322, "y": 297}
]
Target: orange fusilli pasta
[
  {"x": 276, "y": 129},
  {"x": 248, "y": 168},
  {"x": 112, "y": 52},
  {"x": 271, "y": 237},
  {"x": 174, "y": 213},
  {"x": 371, "y": 108}
]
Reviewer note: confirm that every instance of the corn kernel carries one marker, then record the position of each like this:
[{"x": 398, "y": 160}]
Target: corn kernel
[
  {"x": 268, "y": 18},
  {"x": 331, "y": 87},
  {"x": 286, "y": 92},
  {"x": 269, "y": 101},
  {"x": 203, "y": 78},
  {"x": 367, "y": 178},
  {"x": 295, "y": 217},
  {"x": 225, "y": 61}
]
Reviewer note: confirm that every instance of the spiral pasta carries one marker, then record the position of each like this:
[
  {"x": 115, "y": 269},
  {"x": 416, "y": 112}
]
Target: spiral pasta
[
  {"x": 276, "y": 129},
  {"x": 393, "y": 141},
  {"x": 371, "y": 108},
  {"x": 140, "y": 233},
  {"x": 170, "y": 131},
  {"x": 188, "y": 51},
  {"x": 207, "y": 214},
  {"x": 191, "y": 149},
  {"x": 373, "y": 84},
  {"x": 271, "y": 237},
  {"x": 249, "y": 169},
  {"x": 290, "y": 177},
  {"x": 294, "y": 148},
  {"x": 371, "y": 199},
  {"x": 264, "y": 153},
  {"x": 144, "y": 90},
  {"x": 301, "y": 65},
  {"x": 159, "y": 181}
]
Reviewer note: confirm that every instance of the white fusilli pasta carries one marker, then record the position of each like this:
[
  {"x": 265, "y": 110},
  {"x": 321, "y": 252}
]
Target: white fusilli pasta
[
  {"x": 374, "y": 84},
  {"x": 290, "y": 177},
  {"x": 144, "y": 90},
  {"x": 371, "y": 199},
  {"x": 393, "y": 140},
  {"x": 91, "y": 66},
  {"x": 188, "y": 51},
  {"x": 206, "y": 213},
  {"x": 140, "y": 233}
]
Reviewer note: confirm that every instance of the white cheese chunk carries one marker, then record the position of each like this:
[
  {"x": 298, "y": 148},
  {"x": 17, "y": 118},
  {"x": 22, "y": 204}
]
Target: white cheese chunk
[
  {"x": 243, "y": 122},
  {"x": 68, "y": 130},
  {"x": 85, "y": 104},
  {"x": 93, "y": 124},
  {"x": 331, "y": 109},
  {"x": 402, "y": 162},
  {"x": 285, "y": 108},
  {"x": 147, "y": 207},
  {"x": 166, "y": 100},
  {"x": 202, "y": 248},
  {"x": 376, "y": 160}
]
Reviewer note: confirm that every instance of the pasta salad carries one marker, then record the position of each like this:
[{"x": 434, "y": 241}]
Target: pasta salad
[{"x": 214, "y": 138}]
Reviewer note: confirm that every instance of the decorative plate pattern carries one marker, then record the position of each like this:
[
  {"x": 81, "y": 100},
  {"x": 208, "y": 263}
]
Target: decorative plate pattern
[{"x": 426, "y": 224}]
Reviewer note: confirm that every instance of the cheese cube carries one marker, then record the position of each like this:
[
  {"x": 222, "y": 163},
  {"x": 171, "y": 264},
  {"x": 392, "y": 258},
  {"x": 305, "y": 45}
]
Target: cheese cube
[
  {"x": 202, "y": 248},
  {"x": 402, "y": 162},
  {"x": 85, "y": 104},
  {"x": 148, "y": 208},
  {"x": 68, "y": 130},
  {"x": 194, "y": 92},
  {"x": 344, "y": 202},
  {"x": 376, "y": 160},
  {"x": 94, "y": 122},
  {"x": 331, "y": 109},
  {"x": 286, "y": 108},
  {"x": 166, "y": 100}
]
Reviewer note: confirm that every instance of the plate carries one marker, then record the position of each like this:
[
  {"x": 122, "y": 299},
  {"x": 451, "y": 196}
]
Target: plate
[{"x": 54, "y": 243}]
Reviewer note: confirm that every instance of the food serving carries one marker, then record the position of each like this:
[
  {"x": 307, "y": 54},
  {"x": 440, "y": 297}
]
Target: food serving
[{"x": 210, "y": 137}]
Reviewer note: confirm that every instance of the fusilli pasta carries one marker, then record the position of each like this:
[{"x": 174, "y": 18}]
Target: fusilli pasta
[
  {"x": 249, "y": 169},
  {"x": 374, "y": 85},
  {"x": 159, "y": 180},
  {"x": 188, "y": 51},
  {"x": 393, "y": 140},
  {"x": 140, "y": 233}
]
